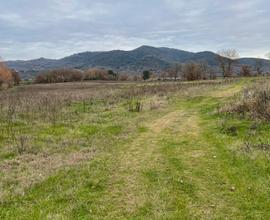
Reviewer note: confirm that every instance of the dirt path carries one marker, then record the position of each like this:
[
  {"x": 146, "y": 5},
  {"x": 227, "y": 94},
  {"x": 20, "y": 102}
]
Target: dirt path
[
  {"x": 145, "y": 158},
  {"x": 180, "y": 165},
  {"x": 128, "y": 187}
]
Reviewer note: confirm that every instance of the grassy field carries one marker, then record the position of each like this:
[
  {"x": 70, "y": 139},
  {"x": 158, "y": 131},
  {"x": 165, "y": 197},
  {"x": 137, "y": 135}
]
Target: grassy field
[{"x": 131, "y": 151}]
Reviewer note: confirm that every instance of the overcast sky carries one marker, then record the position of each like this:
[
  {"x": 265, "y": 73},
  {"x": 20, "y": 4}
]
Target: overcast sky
[{"x": 57, "y": 28}]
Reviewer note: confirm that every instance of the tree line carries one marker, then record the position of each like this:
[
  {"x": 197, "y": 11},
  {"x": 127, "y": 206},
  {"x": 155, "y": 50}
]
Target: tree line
[
  {"x": 186, "y": 72},
  {"x": 76, "y": 75},
  {"x": 227, "y": 60},
  {"x": 189, "y": 71}
]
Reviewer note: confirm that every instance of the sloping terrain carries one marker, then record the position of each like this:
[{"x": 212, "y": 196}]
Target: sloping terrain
[{"x": 142, "y": 58}]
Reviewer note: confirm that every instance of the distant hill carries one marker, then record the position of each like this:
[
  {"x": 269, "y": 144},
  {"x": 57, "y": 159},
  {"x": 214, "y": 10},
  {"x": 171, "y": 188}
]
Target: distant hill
[{"x": 142, "y": 58}]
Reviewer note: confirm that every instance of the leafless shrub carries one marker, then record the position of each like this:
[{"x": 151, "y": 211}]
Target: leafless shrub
[
  {"x": 196, "y": 71},
  {"x": 98, "y": 74},
  {"x": 163, "y": 75},
  {"x": 253, "y": 102},
  {"x": 175, "y": 71},
  {"x": 123, "y": 77},
  {"x": 16, "y": 78},
  {"x": 245, "y": 71},
  {"x": 59, "y": 75}
]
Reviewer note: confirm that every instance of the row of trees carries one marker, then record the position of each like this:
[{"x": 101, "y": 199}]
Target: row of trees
[
  {"x": 8, "y": 78},
  {"x": 74, "y": 75},
  {"x": 228, "y": 58},
  {"x": 247, "y": 70},
  {"x": 189, "y": 71}
]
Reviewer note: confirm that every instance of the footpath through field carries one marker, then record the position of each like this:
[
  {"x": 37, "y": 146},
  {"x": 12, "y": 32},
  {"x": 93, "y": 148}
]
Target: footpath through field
[{"x": 177, "y": 168}]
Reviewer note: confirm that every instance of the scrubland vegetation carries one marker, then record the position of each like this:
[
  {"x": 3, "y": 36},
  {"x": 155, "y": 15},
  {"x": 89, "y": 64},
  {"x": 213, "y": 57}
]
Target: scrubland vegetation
[
  {"x": 254, "y": 102},
  {"x": 152, "y": 150},
  {"x": 8, "y": 77}
]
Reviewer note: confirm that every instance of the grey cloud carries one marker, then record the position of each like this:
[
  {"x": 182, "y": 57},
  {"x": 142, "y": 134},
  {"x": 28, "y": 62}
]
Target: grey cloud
[{"x": 56, "y": 28}]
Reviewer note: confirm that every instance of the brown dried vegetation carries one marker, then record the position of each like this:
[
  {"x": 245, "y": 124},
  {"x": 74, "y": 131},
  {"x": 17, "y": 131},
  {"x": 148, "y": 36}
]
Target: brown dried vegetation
[
  {"x": 253, "y": 102},
  {"x": 5, "y": 76}
]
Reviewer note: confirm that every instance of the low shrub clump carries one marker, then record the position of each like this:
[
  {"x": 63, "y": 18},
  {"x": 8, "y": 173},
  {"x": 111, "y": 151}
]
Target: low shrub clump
[
  {"x": 99, "y": 74},
  {"x": 135, "y": 106},
  {"x": 254, "y": 102},
  {"x": 193, "y": 71},
  {"x": 246, "y": 71}
]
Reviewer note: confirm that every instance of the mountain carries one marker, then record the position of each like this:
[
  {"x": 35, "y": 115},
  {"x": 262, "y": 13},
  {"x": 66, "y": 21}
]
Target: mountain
[{"x": 137, "y": 60}]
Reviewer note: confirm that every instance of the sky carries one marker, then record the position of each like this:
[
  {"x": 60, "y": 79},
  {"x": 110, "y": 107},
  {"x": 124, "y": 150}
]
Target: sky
[{"x": 58, "y": 28}]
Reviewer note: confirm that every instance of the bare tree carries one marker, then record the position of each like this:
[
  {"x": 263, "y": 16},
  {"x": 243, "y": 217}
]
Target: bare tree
[
  {"x": 259, "y": 66},
  {"x": 175, "y": 71},
  {"x": 245, "y": 71},
  {"x": 206, "y": 71},
  {"x": 226, "y": 59},
  {"x": 16, "y": 77},
  {"x": 163, "y": 75},
  {"x": 193, "y": 71}
]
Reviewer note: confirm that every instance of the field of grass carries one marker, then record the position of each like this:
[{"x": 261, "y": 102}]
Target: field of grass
[{"x": 131, "y": 151}]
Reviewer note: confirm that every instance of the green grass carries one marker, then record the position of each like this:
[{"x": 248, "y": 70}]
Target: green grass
[{"x": 177, "y": 162}]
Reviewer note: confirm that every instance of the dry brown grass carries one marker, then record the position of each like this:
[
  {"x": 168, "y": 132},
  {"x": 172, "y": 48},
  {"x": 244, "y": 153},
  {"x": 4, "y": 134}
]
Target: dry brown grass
[
  {"x": 26, "y": 170},
  {"x": 51, "y": 103},
  {"x": 253, "y": 102},
  {"x": 26, "y": 157}
]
